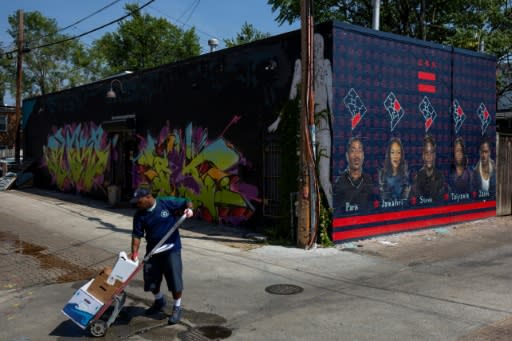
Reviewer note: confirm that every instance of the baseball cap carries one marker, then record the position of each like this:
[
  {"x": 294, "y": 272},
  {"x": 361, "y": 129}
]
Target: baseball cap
[{"x": 139, "y": 193}]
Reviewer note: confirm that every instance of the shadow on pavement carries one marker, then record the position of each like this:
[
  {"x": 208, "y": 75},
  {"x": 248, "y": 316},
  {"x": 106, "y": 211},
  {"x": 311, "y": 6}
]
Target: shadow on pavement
[
  {"x": 209, "y": 231},
  {"x": 69, "y": 329}
]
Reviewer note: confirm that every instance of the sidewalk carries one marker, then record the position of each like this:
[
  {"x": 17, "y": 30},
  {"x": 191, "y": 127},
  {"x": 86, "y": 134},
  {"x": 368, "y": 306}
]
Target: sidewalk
[
  {"x": 438, "y": 284},
  {"x": 123, "y": 214}
]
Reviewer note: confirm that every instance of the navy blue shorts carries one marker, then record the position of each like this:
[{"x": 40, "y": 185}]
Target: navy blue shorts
[{"x": 168, "y": 265}]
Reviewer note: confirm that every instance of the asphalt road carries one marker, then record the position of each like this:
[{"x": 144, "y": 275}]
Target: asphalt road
[{"x": 449, "y": 283}]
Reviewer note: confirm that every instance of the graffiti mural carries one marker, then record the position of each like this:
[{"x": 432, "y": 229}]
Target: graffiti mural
[
  {"x": 187, "y": 163},
  {"x": 77, "y": 156}
]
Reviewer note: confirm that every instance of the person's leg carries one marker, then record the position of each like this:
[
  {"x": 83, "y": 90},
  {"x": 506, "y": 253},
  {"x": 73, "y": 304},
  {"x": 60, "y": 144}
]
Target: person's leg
[
  {"x": 152, "y": 281},
  {"x": 174, "y": 277}
]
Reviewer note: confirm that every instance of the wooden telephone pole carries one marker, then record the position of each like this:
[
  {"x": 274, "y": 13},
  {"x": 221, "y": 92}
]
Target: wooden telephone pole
[
  {"x": 19, "y": 77},
  {"x": 307, "y": 176}
]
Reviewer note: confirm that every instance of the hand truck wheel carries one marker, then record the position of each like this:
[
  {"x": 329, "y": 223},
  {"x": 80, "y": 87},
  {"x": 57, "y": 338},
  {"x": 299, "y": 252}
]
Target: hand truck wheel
[{"x": 98, "y": 328}]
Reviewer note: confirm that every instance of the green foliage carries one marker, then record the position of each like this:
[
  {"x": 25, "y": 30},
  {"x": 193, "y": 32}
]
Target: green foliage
[
  {"x": 288, "y": 141},
  {"x": 469, "y": 24},
  {"x": 46, "y": 69},
  {"x": 289, "y": 137},
  {"x": 324, "y": 226},
  {"x": 486, "y": 26},
  {"x": 247, "y": 34},
  {"x": 4, "y": 75},
  {"x": 416, "y": 18},
  {"x": 144, "y": 42}
]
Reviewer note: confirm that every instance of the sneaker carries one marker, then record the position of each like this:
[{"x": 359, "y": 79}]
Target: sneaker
[
  {"x": 157, "y": 307},
  {"x": 175, "y": 316}
]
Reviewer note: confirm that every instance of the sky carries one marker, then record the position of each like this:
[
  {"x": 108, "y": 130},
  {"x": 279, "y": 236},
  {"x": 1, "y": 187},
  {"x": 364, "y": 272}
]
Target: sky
[{"x": 220, "y": 19}]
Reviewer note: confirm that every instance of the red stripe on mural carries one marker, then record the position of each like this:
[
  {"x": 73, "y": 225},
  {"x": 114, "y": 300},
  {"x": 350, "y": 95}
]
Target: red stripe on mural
[
  {"x": 426, "y": 76},
  {"x": 421, "y": 212},
  {"x": 427, "y": 88},
  {"x": 410, "y": 225}
]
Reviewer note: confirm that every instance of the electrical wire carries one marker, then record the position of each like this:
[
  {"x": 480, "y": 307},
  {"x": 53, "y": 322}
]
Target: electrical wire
[
  {"x": 79, "y": 21},
  {"x": 181, "y": 22},
  {"x": 85, "y": 33},
  {"x": 188, "y": 9},
  {"x": 191, "y": 12}
]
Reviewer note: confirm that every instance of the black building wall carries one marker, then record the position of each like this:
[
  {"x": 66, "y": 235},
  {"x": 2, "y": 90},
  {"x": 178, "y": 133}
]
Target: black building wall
[{"x": 196, "y": 127}]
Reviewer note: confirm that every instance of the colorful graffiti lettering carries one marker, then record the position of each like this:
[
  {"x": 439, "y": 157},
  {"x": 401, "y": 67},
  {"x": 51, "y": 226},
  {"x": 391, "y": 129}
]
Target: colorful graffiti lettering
[
  {"x": 188, "y": 164},
  {"x": 77, "y": 156}
]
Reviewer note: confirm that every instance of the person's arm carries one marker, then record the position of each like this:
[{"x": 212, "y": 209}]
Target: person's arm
[
  {"x": 137, "y": 234},
  {"x": 189, "y": 209},
  {"x": 329, "y": 89},
  {"x": 135, "y": 248}
]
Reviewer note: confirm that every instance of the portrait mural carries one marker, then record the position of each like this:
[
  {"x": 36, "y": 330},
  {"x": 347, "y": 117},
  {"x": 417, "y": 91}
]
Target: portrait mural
[{"x": 412, "y": 135}]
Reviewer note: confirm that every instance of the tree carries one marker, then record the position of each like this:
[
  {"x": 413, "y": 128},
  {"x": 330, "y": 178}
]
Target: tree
[
  {"x": 4, "y": 79},
  {"x": 415, "y": 18},
  {"x": 47, "y": 67},
  {"x": 487, "y": 26},
  {"x": 144, "y": 42},
  {"x": 247, "y": 34}
]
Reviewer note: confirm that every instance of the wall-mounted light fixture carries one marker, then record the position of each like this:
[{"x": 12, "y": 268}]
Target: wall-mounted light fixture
[
  {"x": 271, "y": 65},
  {"x": 111, "y": 93}
]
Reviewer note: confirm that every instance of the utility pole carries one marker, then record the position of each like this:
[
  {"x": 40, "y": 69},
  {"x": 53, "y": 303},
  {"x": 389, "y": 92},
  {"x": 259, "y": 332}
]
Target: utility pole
[
  {"x": 376, "y": 15},
  {"x": 307, "y": 176},
  {"x": 18, "y": 87}
]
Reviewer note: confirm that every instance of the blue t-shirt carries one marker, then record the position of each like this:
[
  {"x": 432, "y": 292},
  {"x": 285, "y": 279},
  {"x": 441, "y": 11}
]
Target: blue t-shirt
[{"x": 154, "y": 224}]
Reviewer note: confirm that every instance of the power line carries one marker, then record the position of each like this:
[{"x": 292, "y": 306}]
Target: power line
[
  {"x": 81, "y": 20},
  {"x": 192, "y": 10},
  {"x": 88, "y": 32},
  {"x": 95, "y": 29},
  {"x": 181, "y": 22}
]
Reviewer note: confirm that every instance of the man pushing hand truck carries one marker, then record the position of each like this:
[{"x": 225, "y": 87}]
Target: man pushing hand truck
[
  {"x": 153, "y": 219},
  {"x": 157, "y": 220}
]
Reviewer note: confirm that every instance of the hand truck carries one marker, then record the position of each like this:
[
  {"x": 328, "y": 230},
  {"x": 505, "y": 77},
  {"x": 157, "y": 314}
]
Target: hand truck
[{"x": 99, "y": 324}]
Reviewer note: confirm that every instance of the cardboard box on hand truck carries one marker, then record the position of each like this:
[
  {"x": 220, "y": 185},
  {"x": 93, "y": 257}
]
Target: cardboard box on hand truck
[
  {"x": 82, "y": 307},
  {"x": 123, "y": 268},
  {"x": 89, "y": 299},
  {"x": 101, "y": 289}
]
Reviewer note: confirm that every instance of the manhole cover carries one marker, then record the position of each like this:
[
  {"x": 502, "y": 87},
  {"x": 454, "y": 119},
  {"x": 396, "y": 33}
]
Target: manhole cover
[
  {"x": 284, "y": 289},
  {"x": 205, "y": 333}
]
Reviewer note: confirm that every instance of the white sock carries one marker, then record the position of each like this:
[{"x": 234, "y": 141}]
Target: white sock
[
  {"x": 177, "y": 303},
  {"x": 159, "y": 296}
]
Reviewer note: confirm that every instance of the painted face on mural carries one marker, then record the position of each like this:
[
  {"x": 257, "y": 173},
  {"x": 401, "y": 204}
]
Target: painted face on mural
[
  {"x": 395, "y": 154},
  {"x": 429, "y": 157},
  {"x": 355, "y": 156},
  {"x": 458, "y": 154},
  {"x": 485, "y": 154}
]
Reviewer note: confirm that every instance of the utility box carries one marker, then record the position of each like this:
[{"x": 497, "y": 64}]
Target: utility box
[{"x": 114, "y": 195}]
